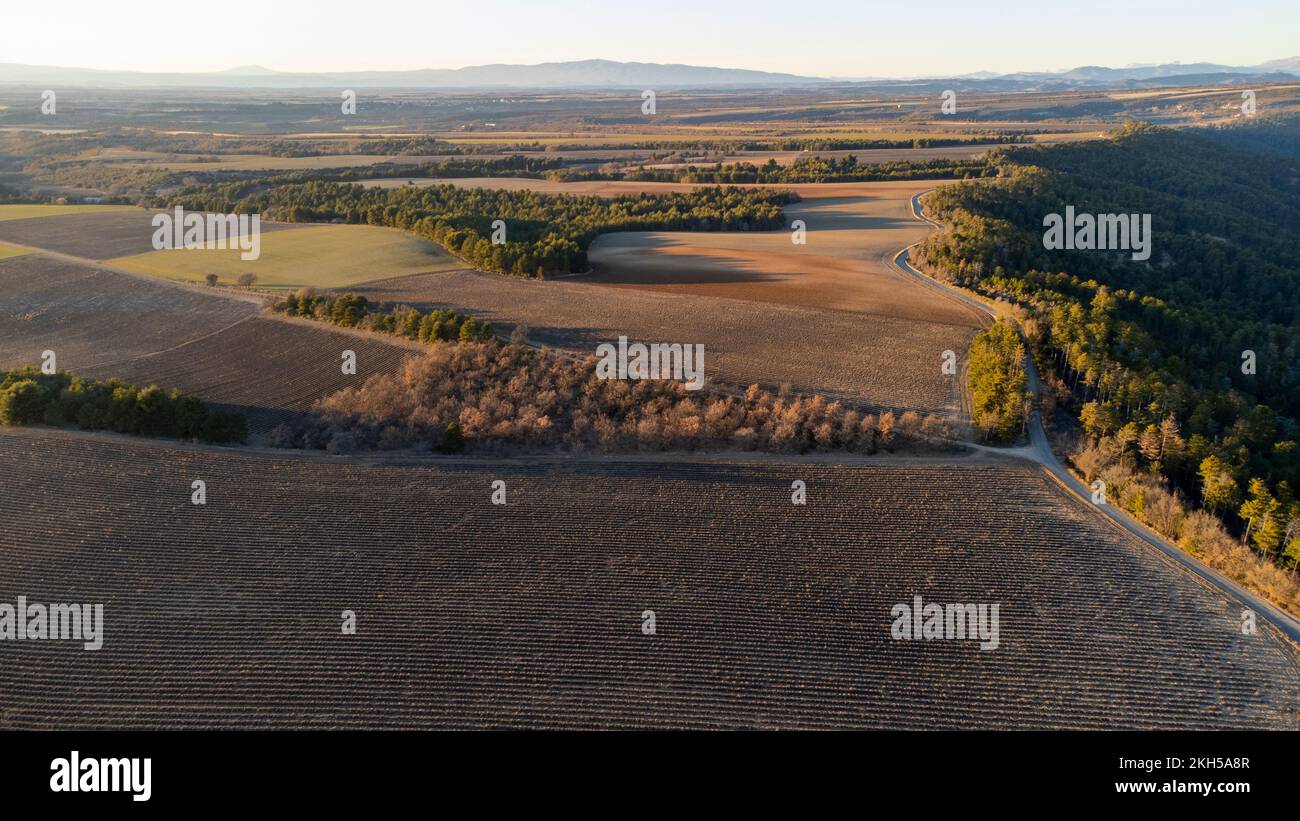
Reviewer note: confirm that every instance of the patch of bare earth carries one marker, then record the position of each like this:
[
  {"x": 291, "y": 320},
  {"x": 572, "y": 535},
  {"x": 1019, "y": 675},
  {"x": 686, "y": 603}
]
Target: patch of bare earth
[
  {"x": 94, "y": 236},
  {"x": 473, "y": 615},
  {"x": 828, "y": 317},
  {"x": 102, "y": 324}
]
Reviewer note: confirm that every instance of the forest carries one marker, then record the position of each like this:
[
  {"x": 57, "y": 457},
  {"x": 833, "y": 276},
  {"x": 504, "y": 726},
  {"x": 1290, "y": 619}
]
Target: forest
[
  {"x": 544, "y": 233},
  {"x": 1267, "y": 135},
  {"x": 1184, "y": 367}
]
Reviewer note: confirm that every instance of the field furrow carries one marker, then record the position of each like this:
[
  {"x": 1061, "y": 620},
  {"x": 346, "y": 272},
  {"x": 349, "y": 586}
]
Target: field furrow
[
  {"x": 103, "y": 324},
  {"x": 529, "y": 615}
]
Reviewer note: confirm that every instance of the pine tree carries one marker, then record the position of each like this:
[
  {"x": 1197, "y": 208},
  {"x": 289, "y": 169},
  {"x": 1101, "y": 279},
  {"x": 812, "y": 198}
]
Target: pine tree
[
  {"x": 1263, "y": 515},
  {"x": 1149, "y": 444},
  {"x": 1218, "y": 487}
]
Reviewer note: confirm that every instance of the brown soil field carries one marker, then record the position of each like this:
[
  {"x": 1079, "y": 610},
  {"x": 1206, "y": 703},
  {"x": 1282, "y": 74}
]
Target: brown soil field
[
  {"x": 883, "y": 361},
  {"x": 90, "y": 316},
  {"x": 843, "y": 265},
  {"x": 101, "y": 236},
  {"x": 828, "y": 317},
  {"x": 102, "y": 324},
  {"x": 529, "y": 615}
]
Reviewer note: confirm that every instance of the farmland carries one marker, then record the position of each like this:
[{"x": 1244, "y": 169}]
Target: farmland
[
  {"x": 813, "y": 464},
  {"x": 326, "y": 256},
  {"x": 728, "y": 290},
  {"x": 892, "y": 339},
  {"x": 104, "y": 324},
  {"x": 768, "y": 615},
  {"x": 880, "y": 361},
  {"x": 19, "y": 212},
  {"x": 99, "y": 234},
  {"x": 851, "y": 230}
]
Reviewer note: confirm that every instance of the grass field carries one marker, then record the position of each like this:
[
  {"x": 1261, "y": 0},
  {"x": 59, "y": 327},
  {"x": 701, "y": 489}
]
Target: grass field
[
  {"x": 320, "y": 256},
  {"x": 7, "y": 251},
  {"x": 19, "y": 212}
]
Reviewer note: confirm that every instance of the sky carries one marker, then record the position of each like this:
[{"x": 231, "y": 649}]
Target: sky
[{"x": 832, "y": 38}]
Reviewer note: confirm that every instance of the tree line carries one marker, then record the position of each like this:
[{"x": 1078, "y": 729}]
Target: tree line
[
  {"x": 818, "y": 169},
  {"x": 793, "y": 143},
  {"x": 29, "y": 397},
  {"x": 355, "y": 311},
  {"x": 544, "y": 233},
  {"x": 998, "y": 381}
]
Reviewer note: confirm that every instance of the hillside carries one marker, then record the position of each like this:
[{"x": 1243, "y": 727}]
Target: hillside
[{"x": 1183, "y": 365}]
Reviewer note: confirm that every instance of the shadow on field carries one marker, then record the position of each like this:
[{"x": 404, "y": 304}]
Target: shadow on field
[{"x": 648, "y": 259}]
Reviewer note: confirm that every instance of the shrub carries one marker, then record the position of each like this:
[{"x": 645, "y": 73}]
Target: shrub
[
  {"x": 341, "y": 444},
  {"x": 23, "y": 403},
  {"x": 220, "y": 427},
  {"x": 453, "y": 441}
]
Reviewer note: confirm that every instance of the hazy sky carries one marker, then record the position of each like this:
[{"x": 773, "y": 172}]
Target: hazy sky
[{"x": 827, "y": 38}]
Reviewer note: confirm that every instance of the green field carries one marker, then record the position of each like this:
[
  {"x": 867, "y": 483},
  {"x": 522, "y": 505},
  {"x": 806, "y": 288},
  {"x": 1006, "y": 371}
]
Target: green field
[
  {"x": 320, "y": 256},
  {"x": 7, "y": 251},
  {"x": 257, "y": 162},
  {"x": 19, "y": 212}
]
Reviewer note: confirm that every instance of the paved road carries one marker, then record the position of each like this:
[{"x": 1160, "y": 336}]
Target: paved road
[{"x": 1040, "y": 450}]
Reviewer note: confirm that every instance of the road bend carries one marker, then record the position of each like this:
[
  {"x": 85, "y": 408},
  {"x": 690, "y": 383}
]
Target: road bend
[{"x": 1039, "y": 450}]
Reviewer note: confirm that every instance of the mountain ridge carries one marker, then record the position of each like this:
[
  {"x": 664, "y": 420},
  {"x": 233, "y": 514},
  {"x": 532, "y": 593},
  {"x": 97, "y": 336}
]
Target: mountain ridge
[{"x": 600, "y": 73}]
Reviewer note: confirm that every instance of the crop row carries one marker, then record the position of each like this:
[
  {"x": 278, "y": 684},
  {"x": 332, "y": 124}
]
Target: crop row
[
  {"x": 529, "y": 614},
  {"x": 882, "y": 361},
  {"x": 102, "y": 324}
]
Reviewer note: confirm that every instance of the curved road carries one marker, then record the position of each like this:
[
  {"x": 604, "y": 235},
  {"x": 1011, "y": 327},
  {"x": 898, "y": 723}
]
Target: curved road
[{"x": 1040, "y": 451}]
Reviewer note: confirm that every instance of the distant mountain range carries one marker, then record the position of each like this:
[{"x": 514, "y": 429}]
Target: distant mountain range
[
  {"x": 1094, "y": 75},
  {"x": 580, "y": 73},
  {"x": 612, "y": 74}
]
